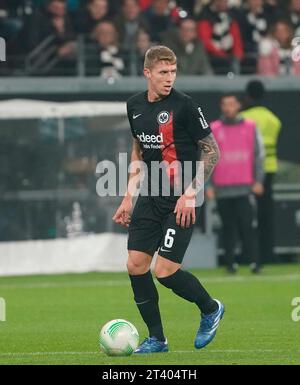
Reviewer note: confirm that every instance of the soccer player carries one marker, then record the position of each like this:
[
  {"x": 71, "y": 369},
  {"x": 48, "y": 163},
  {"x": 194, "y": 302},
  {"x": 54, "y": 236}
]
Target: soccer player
[{"x": 166, "y": 125}]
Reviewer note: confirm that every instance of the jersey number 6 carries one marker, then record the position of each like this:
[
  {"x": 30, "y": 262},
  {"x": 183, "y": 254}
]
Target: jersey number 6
[{"x": 169, "y": 240}]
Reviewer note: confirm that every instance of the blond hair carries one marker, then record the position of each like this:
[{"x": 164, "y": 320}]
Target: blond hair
[{"x": 159, "y": 53}]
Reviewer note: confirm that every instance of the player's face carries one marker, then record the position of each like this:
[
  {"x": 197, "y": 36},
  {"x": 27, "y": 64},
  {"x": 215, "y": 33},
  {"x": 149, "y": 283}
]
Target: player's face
[
  {"x": 161, "y": 77},
  {"x": 230, "y": 107}
]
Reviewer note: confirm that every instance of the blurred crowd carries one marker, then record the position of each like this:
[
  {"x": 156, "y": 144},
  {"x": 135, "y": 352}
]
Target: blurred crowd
[{"x": 110, "y": 37}]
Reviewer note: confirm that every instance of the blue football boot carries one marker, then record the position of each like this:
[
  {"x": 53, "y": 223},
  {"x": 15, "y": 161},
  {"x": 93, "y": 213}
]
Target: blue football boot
[
  {"x": 152, "y": 345},
  {"x": 208, "y": 326}
]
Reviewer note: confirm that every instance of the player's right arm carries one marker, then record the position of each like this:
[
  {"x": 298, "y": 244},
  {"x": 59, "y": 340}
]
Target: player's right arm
[{"x": 122, "y": 215}]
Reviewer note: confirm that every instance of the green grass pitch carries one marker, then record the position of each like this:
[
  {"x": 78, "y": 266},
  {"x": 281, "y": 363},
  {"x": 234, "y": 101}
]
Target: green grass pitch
[{"x": 56, "y": 319}]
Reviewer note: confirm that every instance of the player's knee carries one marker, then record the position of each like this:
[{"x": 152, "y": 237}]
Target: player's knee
[
  {"x": 163, "y": 270},
  {"x": 136, "y": 267}
]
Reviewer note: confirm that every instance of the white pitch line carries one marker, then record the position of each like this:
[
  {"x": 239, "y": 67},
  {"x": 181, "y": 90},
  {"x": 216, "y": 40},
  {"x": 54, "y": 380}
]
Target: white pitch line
[
  {"x": 233, "y": 351},
  {"x": 13, "y": 354},
  {"x": 29, "y": 354},
  {"x": 49, "y": 285},
  {"x": 236, "y": 279}
]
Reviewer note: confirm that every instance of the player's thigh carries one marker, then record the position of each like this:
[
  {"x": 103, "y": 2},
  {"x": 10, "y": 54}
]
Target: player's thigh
[
  {"x": 165, "y": 267},
  {"x": 175, "y": 240},
  {"x": 145, "y": 230},
  {"x": 138, "y": 262}
]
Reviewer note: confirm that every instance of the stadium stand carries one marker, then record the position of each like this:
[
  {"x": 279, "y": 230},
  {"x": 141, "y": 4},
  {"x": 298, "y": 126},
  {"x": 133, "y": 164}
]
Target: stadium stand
[{"x": 53, "y": 37}]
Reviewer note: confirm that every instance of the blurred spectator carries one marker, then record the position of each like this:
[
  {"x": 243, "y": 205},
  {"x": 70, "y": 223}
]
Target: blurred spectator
[
  {"x": 103, "y": 56},
  {"x": 279, "y": 5},
  {"x": 90, "y": 15},
  {"x": 161, "y": 17},
  {"x": 269, "y": 127},
  {"x": 187, "y": 5},
  {"x": 254, "y": 21},
  {"x": 113, "y": 6},
  {"x": 238, "y": 174},
  {"x": 10, "y": 23},
  {"x": 200, "y": 4},
  {"x": 191, "y": 56},
  {"x": 129, "y": 22},
  {"x": 220, "y": 34},
  {"x": 144, "y": 4},
  {"x": 143, "y": 43},
  {"x": 275, "y": 52},
  {"x": 50, "y": 21},
  {"x": 293, "y": 15}
]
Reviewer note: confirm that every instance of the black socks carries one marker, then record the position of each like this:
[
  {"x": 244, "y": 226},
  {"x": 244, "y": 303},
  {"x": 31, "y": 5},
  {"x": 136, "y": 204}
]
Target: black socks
[
  {"x": 146, "y": 299},
  {"x": 182, "y": 283},
  {"x": 187, "y": 286}
]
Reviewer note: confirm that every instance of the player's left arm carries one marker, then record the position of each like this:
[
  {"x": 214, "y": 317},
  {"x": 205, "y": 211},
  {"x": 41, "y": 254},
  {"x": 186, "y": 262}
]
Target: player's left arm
[
  {"x": 200, "y": 133},
  {"x": 210, "y": 154},
  {"x": 185, "y": 207}
]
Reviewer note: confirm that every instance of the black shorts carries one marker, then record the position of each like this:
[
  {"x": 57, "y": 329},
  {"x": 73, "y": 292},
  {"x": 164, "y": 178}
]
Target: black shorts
[{"x": 153, "y": 226}]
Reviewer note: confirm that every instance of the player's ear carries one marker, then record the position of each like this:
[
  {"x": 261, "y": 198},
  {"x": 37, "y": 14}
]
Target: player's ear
[{"x": 147, "y": 73}]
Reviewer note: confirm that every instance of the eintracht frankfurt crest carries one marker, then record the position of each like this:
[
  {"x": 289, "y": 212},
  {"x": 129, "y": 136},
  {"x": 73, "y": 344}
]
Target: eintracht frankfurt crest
[{"x": 163, "y": 117}]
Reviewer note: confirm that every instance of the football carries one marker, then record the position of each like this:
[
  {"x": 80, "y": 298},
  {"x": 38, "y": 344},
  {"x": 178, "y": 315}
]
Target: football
[{"x": 118, "y": 338}]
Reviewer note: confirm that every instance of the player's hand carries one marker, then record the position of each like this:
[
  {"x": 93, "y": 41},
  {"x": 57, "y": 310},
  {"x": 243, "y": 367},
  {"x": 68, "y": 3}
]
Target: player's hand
[
  {"x": 257, "y": 188},
  {"x": 122, "y": 215},
  {"x": 185, "y": 211}
]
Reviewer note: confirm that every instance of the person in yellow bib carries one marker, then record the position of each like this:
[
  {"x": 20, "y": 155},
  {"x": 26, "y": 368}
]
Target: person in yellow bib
[{"x": 269, "y": 127}]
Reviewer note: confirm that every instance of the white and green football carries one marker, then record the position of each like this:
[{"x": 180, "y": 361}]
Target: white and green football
[{"x": 118, "y": 338}]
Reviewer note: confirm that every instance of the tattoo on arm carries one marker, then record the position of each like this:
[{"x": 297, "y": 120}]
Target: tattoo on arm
[{"x": 210, "y": 154}]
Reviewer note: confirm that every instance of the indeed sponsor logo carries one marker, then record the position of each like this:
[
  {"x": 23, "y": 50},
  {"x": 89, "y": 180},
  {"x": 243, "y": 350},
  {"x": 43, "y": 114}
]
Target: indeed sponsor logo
[{"x": 150, "y": 138}]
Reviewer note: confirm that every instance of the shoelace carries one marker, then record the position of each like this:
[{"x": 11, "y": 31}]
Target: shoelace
[
  {"x": 207, "y": 322},
  {"x": 146, "y": 344}
]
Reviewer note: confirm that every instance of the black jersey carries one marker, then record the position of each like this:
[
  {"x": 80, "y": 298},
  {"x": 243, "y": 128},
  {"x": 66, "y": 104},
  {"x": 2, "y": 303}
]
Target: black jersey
[{"x": 167, "y": 130}]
